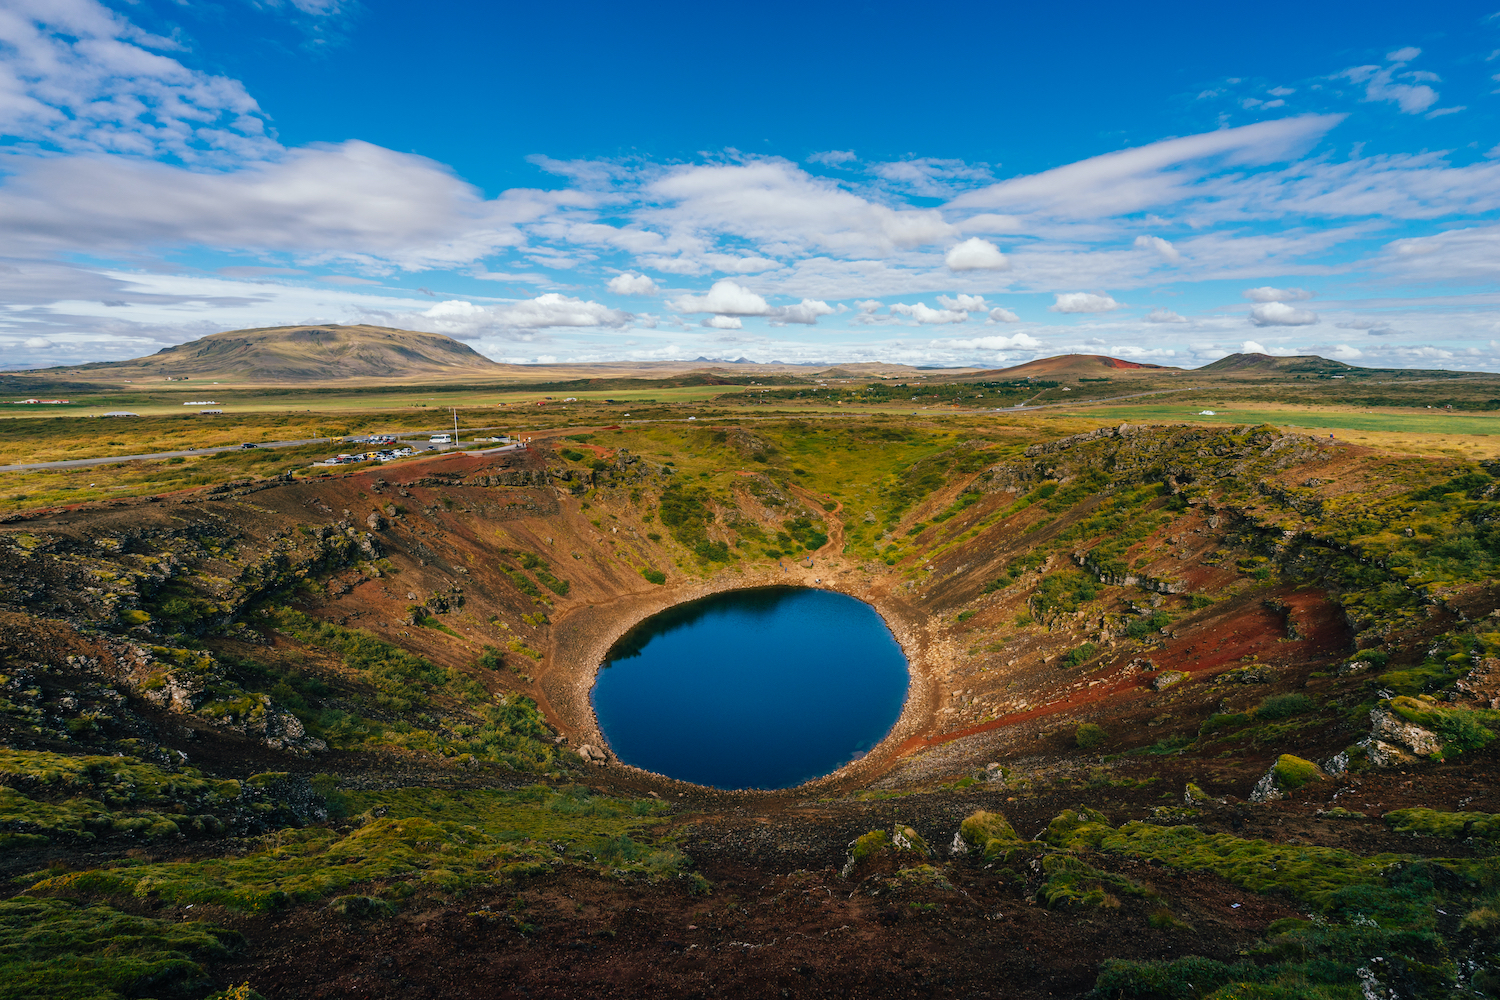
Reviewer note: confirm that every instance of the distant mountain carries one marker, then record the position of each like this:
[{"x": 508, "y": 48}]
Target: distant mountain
[
  {"x": 303, "y": 354},
  {"x": 1249, "y": 364}
]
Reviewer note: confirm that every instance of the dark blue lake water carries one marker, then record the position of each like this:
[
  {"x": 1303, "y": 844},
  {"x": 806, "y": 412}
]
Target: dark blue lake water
[{"x": 763, "y": 688}]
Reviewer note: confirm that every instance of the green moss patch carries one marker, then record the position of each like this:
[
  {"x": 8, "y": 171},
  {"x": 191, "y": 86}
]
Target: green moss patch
[
  {"x": 1447, "y": 825},
  {"x": 57, "y": 949},
  {"x": 445, "y": 841},
  {"x": 1294, "y": 772}
]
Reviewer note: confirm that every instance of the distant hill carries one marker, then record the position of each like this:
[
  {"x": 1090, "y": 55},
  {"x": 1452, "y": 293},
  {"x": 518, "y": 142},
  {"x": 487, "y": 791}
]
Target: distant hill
[
  {"x": 303, "y": 354},
  {"x": 1249, "y": 364},
  {"x": 1095, "y": 365}
]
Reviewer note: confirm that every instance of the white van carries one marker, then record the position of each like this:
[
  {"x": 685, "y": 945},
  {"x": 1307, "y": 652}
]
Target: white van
[{"x": 440, "y": 439}]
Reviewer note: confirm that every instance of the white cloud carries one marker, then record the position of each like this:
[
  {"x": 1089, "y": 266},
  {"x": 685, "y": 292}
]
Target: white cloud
[
  {"x": 929, "y": 177},
  {"x": 544, "y": 311},
  {"x": 1001, "y": 315},
  {"x": 975, "y": 254},
  {"x": 996, "y": 343},
  {"x": 80, "y": 78},
  {"x": 1251, "y": 347},
  {"x": 1268, "y": 294},
  {"x": 1344, "y": 352},
  {"x": 1162, "y": 248},
  {"x": 773, "y": 203},
  {"x": 727, "y": 298},
  {"x": 37, "y": 343},
  {"x": 723, "y": 322},
  {"x": 1134, "y": 180},
  {"x": 352, "y": 202},
  {"x": 805, "y": 312},
  {"x": 963, "y": 303},
  {"x": 632, "y": 284},
  {"x": 1404, "y": 55},
  {"x": 1281, "y": 314},
  {"x": 1160, "y": 315},
  {"x": 1083, "y": 302},
  {"x": 833, "y": 157},
  {"x": 1380, "y": 85},
  {"x": 868, "y": 305},
  {"x": 924, "y": 315}
]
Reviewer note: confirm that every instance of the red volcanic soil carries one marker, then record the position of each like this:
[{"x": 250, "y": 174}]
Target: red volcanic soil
[{"x": 1253, "y": 628}]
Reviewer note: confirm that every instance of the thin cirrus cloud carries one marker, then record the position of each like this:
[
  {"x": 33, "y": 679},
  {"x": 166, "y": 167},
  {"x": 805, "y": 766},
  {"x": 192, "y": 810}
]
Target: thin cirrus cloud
[{"x": 1266, "y": 293}]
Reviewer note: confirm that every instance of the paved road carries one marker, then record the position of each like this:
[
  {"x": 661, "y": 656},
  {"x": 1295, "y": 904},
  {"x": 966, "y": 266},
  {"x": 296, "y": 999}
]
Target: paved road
[{"x": 415, "y": 440}]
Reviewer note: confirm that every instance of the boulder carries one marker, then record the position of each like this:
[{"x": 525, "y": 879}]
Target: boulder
[
  {"x": 1386, "y": 726},
  {"x": 1167, "y": 678}
]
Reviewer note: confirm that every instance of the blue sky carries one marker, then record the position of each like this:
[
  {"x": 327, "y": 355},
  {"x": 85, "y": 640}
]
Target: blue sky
[{"x": 964, "y": 184}]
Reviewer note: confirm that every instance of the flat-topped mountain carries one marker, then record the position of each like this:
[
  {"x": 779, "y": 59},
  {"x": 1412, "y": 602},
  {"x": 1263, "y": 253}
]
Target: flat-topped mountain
[{"x": 304, "y": 353}]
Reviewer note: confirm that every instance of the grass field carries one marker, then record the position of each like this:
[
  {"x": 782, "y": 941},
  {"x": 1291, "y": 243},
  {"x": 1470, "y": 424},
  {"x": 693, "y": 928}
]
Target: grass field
[
  {"x": 657, "y": 422},
  {"x": 1472, "y": 434},
  {"x": 169, "y": 401}
]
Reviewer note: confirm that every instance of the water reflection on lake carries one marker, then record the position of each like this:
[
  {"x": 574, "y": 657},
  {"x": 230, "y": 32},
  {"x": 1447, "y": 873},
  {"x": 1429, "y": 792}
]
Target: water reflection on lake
[{"x": 762, "y": 688}]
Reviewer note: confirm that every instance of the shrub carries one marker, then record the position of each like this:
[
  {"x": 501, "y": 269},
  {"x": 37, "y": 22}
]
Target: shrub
[
  {"x": 1089, "y": 736},
  {"x": 655, "y": 576},
  {"x": 988, "y": 833},
  {"x": 1283, "y": 706},
  {"x": 1082, "y": 654}
]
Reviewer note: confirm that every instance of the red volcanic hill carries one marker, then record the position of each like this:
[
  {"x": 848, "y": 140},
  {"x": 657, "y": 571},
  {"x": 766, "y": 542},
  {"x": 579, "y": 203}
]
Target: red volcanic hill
[{"x": 1073, "y": 364}]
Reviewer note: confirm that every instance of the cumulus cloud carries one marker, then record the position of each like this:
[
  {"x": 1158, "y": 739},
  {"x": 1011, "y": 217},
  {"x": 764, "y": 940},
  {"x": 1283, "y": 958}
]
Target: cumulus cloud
[
  {"x": 727, "y": 298},
  {"x": 962, "y": 303},
  {"x": 1344, "y": 352},
  {"x": 36, "y": 343},
  {"x": 1001, "y": 315},
  {"x": 1162, "y": 248},
  {"x": 632, "y": 284},
  {"x": 1083, "y": 302},
  {"x": 80, "y": 78},
  {"x": 924, "y": 315},
  {"x": 723, "y": 322},
  {"x": 1268, "y": 294},
  {"x": 805, "y": 312},
  {"x": 1160, "y": 315},
  {"x": 975, "y": 254},
  {"x": 1253, "y": 347},
  {"x": 1281, "y": 314}
]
